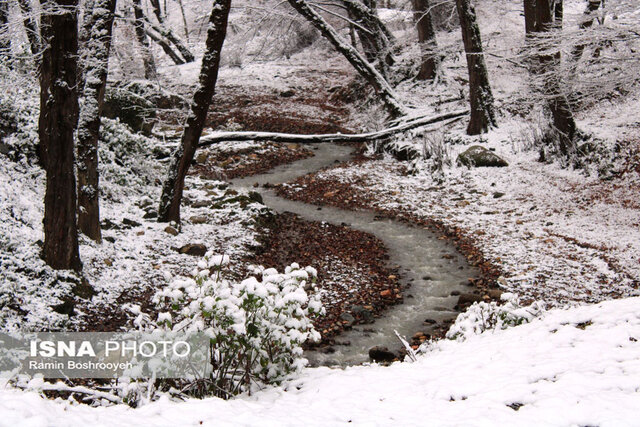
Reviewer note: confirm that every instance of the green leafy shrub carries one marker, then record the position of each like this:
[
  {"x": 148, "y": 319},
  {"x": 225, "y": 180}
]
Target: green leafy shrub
[
  {"x": 482, "y": 316},
  {"x": 256, "y": 327}
]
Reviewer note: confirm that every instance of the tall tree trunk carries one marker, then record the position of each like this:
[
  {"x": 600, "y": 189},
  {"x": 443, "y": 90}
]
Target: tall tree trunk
[
  {"x": 480, "y": 96},
  {"x": 157, "y": 11},
  {"x": 558, "y": 12},
  {"x": 375, "y": 38},
  {"x": 184, "y": 20},
  {"x": 529, "y": 16},
  {"x": 563, "y": 120},
  {"x": 58, "y": 117},
  {"x": 352, "y": 55},
  {"x": 587, "y": 22},
  {"x": 183, "y": 156},
  {"x": 30, "y": 26},
  {"x": 166, "y": 32},
  {"x": 162, "y": 36},
  {"x": 149, "y": 64},
  {"x": 165, "y": 45},
  {"x": 426, "y": 38},
  {"x": 87, "y": 22},
  {"x": 96, "y": 69},
  {"x": 84, "y": 32}
]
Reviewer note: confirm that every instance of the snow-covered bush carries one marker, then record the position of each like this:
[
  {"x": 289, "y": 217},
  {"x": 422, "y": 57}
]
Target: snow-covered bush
[
  {"x": 126, "y": 160},
  {"x": 482, "y": 316},
  {"x": 256, "y": 327},
  {"x": 436, "y": 155},
  {"x": 19, "y": 108}
]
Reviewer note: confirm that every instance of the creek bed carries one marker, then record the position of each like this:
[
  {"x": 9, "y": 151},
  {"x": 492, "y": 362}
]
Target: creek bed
[{"x": 427, "y": 279}]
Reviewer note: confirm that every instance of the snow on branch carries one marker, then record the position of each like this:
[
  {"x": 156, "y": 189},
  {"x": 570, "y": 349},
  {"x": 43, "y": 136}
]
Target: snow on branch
[{"x": 217, "y": 137}]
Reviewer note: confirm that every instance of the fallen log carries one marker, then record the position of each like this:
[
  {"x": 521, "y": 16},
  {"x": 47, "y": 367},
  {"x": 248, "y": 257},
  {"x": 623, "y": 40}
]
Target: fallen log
[{"x": 217, "y": 137}]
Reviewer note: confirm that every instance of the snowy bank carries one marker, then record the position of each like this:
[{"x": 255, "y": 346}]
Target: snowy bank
[{"x": 577, "y": 366}]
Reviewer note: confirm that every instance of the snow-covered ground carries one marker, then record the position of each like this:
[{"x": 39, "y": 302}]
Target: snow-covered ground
[
  {"x": 579, "y": 366},
  {"x": 557, "y": 234}
]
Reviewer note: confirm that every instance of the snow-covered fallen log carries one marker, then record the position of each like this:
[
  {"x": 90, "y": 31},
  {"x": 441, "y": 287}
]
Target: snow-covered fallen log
[{"x": 217, "y": 137}]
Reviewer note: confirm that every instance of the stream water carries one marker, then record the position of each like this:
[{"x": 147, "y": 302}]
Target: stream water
[{"x": 418, "y": 253}]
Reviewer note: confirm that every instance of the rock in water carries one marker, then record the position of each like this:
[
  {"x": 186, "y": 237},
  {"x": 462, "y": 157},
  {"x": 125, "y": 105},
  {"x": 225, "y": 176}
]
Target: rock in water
[
  {"x": 478, "y": 156},
  {"x": 347, "y": 319},
  {"x": 465, "y": 300}
]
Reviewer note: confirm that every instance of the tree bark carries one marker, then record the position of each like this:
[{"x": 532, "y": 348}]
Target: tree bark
[
  {"x": 30, "y": 26},
  {"x": 587, "y": 22},
  {"x": 394, "y": 107},
  {"x": 166, "y": 32},
  {"x": 558, "y": 12},
  {"x": 529, "y": 16},
  {"x": 155, "y": 5},
  {"x": 149, "y": 64},
  {"x": 480, "y": 96},
  {"x": 165, "y": 45},
  {"x": 426, "y": 38},
  {"x": 58, "y": 117},
  {"x": 154, "y": 32},
  {"x": 563, "y": 120},
  {"x": 96, "y": 68},
  {"x": 87, "y": 22},
  {"x": 184, "y": 20},
  {"x": 374, "y": 36},
  {"x": 183, "y": 157}
]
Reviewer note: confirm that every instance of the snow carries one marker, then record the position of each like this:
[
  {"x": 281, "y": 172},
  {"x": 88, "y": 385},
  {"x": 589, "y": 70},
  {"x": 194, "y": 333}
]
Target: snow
[
  {"x": 577, "y": 366},
  {"x": 557, "y": 234}
]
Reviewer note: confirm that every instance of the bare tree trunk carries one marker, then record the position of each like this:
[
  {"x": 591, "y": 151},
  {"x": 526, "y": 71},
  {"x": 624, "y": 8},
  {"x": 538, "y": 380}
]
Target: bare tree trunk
[
  {"x": 587, "y": 22},
  {"x": 166, "y": 32},
  {"x": 58, "y": 117},
  {"x": 184, "y": 21},
  {"x": 426, "y": 38},
  {"x": 558, "y": 12},
  {"x": 173, "y": 187},
  {"x": 352, "y": 31},
  {"x": 529, "y": 16},
  {"x": 96, "y": 69},
  {"x": 30, "y": 26},
  {"x": 374, "y": 36},
  {"x": 162, "y": 36},
  {"x": 563, "y": 120},
  {"x": 84, "y": 32},
  {"x": 155, "y": 5},
  {"x": 149, "y": 64},
  {"x": 87, "y": 23},
  {"x": 414, "y": 123},
  {"x": 164, "y": 44},
  {"x": 352, "y": 55},
  {"x": 141, "y": 20},
  {"x": 480, "y": 96}
]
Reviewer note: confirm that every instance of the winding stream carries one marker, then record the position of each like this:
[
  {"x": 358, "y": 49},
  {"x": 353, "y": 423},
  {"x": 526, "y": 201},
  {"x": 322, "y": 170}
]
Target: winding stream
[{"x": 417, "y": 251}]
